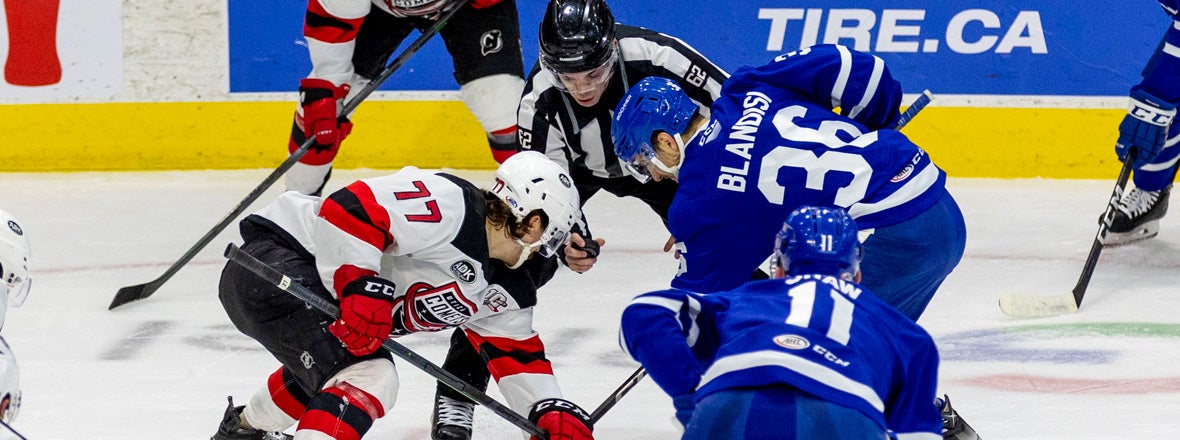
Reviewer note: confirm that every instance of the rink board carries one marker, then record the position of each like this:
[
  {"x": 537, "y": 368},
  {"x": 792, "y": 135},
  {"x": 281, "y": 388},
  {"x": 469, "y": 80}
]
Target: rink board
[{"x": 966, "y": 141}]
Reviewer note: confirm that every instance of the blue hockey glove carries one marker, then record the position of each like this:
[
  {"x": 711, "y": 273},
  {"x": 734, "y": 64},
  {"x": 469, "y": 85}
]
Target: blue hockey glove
[
  {"x": 1145, "y": 127},
  {"x": 685, "y": 405}
]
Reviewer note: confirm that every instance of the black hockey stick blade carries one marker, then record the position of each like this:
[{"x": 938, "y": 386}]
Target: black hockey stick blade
[
  {"x": 616, "y": 396},
  {"x": 276, "y": 278},
  {"x": 140, "y": 291},
  {"x": 1035, "y": 306}
]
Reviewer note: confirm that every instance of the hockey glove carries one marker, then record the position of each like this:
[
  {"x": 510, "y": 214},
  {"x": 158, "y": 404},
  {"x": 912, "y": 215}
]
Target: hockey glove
[
  {"x": 366, "y": 315},
  {"x": 562, "y": 419},
  {"x": 321, "y": 103},
  {"x": 1145, "y": 127},
  {"x": 581, "y": 253},
  {"x": 685, "y": 404}
]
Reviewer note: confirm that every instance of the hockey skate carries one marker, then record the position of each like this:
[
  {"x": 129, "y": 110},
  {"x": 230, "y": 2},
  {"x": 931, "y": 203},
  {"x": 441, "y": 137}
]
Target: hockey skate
[
  {"x": 231, "y": 427},
  {"x": 953, "y": 426},
  {"x": 451, "y": 419},
  {"x": 1138, "y": 216}
]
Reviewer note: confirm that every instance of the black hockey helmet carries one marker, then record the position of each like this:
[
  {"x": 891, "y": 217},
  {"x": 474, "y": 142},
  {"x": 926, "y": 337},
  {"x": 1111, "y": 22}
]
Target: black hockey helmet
[{"x": 576, "y": 35}]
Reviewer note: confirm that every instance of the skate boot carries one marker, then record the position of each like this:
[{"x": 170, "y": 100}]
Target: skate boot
[
  {"x": 451, "y": 419},
  {"x": 1138, "y": 216},
  {"x": 953, "y": 426},
  {"x": 231, "y": 427}
]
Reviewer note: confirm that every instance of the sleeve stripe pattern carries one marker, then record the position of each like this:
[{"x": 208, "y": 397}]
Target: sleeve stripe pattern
[
  {"x": 917, "y": 185},
  {"x": 801, "y": 366},
  {"x": 842, "y": 77},
  {"x": 357, "y": 212},
  {"x": 507, "y": 356},
  {"x": 870, "y": 88},
  {"x": 323, "y": 26}
]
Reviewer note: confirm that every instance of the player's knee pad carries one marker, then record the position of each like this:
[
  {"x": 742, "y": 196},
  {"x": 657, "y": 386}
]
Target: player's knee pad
[
  {"x": 493, "y": 100},
  {"x": 351, "y": 401},
  {"x": 371, "y": 385}
]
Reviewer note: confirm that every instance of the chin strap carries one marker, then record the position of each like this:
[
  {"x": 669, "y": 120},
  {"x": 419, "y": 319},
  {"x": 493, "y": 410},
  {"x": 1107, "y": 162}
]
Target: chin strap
[
  {"x": 525, "y": 249},
  {"x": 681, "y": 146}
]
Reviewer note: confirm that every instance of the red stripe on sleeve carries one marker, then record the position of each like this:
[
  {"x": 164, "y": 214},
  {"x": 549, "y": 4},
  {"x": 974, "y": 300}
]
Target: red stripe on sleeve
[
  {"x": 513, "y": 356},
  {"x": 367, "y": 220},
  {"x": 328, "y": 28}
]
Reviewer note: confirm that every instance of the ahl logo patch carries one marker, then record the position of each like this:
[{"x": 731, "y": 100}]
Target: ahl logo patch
[
  {"x": 792, "y": 342},
  {"x": 15, "y": 228},
  {"x": 464, "y": 271},
  {"x": 495, "y": 299}
]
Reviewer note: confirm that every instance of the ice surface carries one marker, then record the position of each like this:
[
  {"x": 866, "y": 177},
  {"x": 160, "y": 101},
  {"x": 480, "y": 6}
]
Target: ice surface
[{"x": 162, "y": 367}]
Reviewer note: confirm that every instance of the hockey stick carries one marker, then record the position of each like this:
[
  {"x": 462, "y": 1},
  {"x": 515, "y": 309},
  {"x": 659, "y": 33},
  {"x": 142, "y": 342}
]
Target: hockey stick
[
  {"x": 10, "y": 429},
  {"x": 913, "y": 109},
  {"x": 919, "y": 103},
  {"x": 141, "y": 291},
  {"x": 303, "y": 293},
  {"x": 616, "y": 396},
  {"x": 1032, "y": 306}
]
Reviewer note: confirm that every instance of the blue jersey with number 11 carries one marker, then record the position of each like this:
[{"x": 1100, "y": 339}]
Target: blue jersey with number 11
[
  {"x": 816, "y": 333},
  {"x": 774, "y": 143}
]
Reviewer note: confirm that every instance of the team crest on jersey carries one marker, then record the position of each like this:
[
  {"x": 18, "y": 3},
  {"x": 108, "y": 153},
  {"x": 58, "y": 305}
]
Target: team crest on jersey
[
  {"x": 15, "y": 228},
  {"x": 464, "y": 271},
  {"x": 792, "y": 342},
  {"x": 490, "y": 42},
  {"x": 495, "y": 299},
  {"x": 435, "y": 308},
  {"x": 307, "y": 360}
]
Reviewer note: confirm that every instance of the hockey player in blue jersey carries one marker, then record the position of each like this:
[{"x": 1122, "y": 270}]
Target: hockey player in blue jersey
[
  {"x": 814, "y": 356},
  {"x": 774, "y": 143},
  {"x": 1148, "y": 129}
]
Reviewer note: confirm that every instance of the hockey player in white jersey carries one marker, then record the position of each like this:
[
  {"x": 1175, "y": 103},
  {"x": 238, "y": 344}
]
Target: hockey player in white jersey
[
  {"x": 811, "y": 356},
  {"x": 410, "y": 252},
  {"x": 15, "y": 283},
  {"x": 1148, "y": 128},
  {"x": 349, "y": 43}
]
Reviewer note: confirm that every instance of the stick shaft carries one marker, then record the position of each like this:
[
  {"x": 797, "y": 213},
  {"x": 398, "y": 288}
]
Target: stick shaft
[
  {"x": 141, "y": 291},
  {"x": 276, "y": 278}
]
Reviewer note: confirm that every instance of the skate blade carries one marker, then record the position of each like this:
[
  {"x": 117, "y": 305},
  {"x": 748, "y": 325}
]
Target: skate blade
[{"x": 1143, "y": 232}]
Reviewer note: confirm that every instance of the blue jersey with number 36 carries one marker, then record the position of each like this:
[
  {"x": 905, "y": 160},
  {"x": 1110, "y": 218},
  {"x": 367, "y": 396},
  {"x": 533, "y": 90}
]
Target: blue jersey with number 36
[
  {"x": 817, "y": 333},
  {"x": 774, "y": 143}
]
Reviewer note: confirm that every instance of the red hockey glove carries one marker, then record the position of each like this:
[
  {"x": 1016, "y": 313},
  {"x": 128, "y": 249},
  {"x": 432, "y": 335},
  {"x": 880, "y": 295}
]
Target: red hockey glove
[
  {"x": 321, "y": 103},
  {"x": 481, "y": 4},
  {"x": 366, "y": 315},
  {"x": 562, "y": 419}
]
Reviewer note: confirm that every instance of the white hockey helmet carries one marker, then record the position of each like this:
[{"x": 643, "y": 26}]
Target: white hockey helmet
[
  {"x": 9, "y": 384},
  {"x": 15, "y": 279},
  {"x": 528, "y": 181}
]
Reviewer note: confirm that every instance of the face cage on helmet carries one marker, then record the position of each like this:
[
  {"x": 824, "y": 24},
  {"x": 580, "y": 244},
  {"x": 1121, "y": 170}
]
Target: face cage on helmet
[
  {"x": 552, "y": 241},
  {"x": 587, "y": 80},
  {"x": 13, "y": 408}
]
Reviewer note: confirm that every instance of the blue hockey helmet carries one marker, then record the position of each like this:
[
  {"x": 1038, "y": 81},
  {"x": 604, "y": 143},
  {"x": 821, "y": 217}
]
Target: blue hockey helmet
[
  {"x": 818, "y": 240},
  {"x": 653, "y": 104}
]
